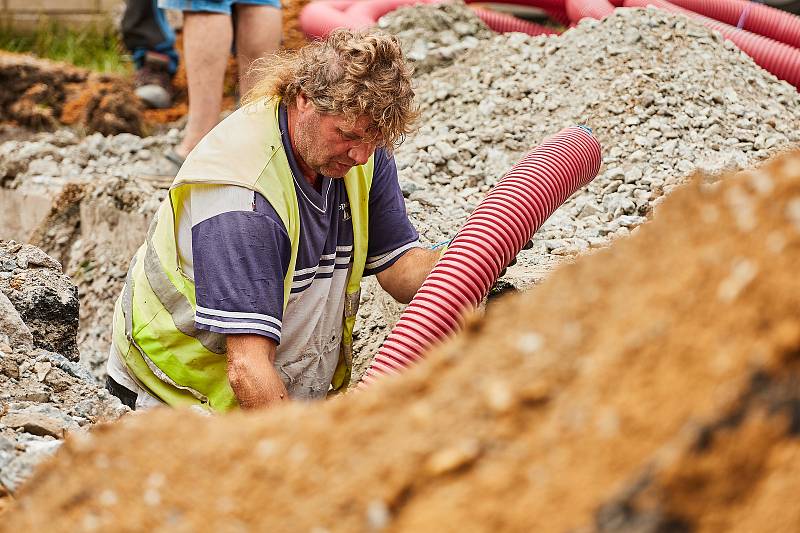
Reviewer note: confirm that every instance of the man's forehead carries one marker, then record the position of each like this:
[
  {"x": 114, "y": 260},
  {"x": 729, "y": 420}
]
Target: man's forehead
[{"x": 361, "y": 125}]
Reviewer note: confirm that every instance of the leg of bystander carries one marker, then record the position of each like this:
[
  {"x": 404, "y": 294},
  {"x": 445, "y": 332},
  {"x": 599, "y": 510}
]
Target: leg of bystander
[
  {"x": 207, "y": 39},
  {"x": 258, "y": 34}
]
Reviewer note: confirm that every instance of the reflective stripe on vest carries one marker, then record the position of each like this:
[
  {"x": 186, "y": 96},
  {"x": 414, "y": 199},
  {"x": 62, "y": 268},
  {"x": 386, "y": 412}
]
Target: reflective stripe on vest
[{"x": 154, "y": 327}]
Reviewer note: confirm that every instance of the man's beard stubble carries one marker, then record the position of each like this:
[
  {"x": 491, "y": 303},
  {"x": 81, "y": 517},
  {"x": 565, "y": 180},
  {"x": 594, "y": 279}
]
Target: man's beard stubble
[{"x": 308, "y": 144}]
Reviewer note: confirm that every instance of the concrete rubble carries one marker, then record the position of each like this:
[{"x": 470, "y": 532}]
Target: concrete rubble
[{"x": 44, "y": 392}]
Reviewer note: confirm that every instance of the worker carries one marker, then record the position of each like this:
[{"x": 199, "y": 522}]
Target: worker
[{"x": 245, "y": 291}]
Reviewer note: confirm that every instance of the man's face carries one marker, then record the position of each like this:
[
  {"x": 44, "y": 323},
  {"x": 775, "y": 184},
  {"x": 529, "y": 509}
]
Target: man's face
[{"x": 328, "y": 143}]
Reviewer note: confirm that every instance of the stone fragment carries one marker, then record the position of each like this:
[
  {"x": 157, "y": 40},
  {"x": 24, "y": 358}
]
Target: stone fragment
[
  {"x": 453, "y": 458},
  {"x": 31, "y": 256},
  {"x": 17, "y": 471},
  {"x": 42, "y": 420},
  {"x": 13, "y": 328}
]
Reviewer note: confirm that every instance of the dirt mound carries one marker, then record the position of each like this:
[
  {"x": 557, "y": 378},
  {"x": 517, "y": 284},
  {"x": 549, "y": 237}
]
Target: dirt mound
[
  {"x": 622, "y": 394},
  {"x": 44, "y": 94}
]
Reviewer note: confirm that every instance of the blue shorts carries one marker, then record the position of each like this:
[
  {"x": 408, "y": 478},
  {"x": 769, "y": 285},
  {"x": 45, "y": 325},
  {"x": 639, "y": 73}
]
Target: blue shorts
[{"x": 213, "y": 6}]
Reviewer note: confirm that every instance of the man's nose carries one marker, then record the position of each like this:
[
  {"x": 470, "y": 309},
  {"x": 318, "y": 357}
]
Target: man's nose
[{"x": 360, "y": 154}]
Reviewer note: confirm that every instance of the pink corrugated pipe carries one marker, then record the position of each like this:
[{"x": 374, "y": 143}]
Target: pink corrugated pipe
[
  {"x": 558, "y": 14},
  {"x": 492, "y": 236},
  {"x": 780, "y": 59},
  {"x": 595, "y": 9},
  {"x": 502, "y": 23},
  {"x": 751, "y": 16}
]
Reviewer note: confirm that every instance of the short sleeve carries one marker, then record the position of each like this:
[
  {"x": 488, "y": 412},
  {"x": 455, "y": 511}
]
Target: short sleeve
[
  {"x": 390, "y": 232},
  {"x": 240, "y": 261}
]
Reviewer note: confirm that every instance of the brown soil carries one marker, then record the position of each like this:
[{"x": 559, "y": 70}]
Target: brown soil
[
  {"x": 43, "y": 94},
  {"x": 647, "y": 387}
]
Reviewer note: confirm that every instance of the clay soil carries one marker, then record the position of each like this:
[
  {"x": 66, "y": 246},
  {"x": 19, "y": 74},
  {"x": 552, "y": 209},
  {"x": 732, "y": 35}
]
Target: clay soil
[{"x": 651, "y": 386}]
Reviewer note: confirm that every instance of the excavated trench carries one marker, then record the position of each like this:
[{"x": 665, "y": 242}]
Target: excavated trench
[{"x": 87, "y": 201}]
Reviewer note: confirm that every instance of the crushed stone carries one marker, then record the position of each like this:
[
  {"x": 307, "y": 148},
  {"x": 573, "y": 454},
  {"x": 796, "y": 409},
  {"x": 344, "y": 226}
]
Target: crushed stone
[
  {"x": 665, "y": 97},
  {"x": 435, "y": 36}
]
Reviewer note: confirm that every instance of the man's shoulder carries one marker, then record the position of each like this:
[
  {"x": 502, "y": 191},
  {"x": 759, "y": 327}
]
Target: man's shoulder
[{"x": 237, "y": 149}]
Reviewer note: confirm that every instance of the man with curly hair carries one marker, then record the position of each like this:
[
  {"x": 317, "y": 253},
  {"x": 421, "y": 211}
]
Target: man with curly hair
[{"x": 246, "y": 289}]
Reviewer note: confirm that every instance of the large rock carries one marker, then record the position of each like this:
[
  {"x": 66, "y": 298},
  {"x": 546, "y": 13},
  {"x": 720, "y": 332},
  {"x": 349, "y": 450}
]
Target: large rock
[
  {"x": 41, "y": 420},
  {"x": 46, "y": 299}
]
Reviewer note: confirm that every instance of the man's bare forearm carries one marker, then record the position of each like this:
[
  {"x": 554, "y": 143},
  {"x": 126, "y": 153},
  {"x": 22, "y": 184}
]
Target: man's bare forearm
[
  {"x": 404, "y": 278},
  {"x": 252, "y": 373}
]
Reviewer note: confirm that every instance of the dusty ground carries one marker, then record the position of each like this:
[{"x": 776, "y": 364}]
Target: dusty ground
[{"x": 651, "y": 386}]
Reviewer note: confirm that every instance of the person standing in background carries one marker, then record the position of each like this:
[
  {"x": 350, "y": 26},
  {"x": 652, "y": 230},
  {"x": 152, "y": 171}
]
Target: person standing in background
[
  {"x": 209, "y": 30},
  {"x": 151, "y": 42}
]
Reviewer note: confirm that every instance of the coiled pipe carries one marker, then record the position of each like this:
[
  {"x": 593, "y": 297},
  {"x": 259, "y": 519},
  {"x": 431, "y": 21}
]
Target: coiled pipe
[
  {"x": 780, "y": 59},
  {"x": 751, "y": 16},
  {"x": 502, "y": 23},
  {"x": 492, "y": 236},
  {"x": 596, "y": 9}
]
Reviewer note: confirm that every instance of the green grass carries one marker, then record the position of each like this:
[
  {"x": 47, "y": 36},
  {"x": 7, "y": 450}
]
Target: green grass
[{"x": 95, "y": 48}]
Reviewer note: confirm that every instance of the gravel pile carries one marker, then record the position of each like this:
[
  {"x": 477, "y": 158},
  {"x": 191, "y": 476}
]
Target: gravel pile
[
  {"x": 92, "y": 180},
  {"x": 44, "y": 392},
  {"x": 434, "y": 36},
  {"x": 53, "y": 157},
  {"x": 664, "y": 95}
]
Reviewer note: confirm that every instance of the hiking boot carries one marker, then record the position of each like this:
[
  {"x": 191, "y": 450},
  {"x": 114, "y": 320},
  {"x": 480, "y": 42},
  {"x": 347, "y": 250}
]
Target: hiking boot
[{"x": 153, "y": 81}]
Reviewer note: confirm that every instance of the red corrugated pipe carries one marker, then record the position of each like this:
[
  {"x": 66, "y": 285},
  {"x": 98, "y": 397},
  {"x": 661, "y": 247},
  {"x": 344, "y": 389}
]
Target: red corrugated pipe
[
  {"x": 492, "y": 236},
  {"x": 557, "y": 14},
  {"x": 596, "y": 9},
  {"x": 751, "y": 16},
  {"x": 780, "y": 59},
  {"x": 502, "y": 23}
]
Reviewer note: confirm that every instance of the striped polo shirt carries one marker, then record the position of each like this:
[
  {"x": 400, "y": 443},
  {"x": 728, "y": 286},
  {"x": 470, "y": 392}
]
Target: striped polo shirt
[{"x": 234, "y": 246}]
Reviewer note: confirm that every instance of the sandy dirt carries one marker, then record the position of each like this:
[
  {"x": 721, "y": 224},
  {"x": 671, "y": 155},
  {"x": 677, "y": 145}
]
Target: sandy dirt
[{"x": 649, "y": 386}]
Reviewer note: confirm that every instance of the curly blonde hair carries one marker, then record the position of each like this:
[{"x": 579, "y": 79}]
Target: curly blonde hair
[{"x": 350, "y": 74}]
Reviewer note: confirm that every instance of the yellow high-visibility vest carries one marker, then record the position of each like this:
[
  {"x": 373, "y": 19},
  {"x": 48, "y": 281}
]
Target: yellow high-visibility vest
[{"x": 154, "y": 327}]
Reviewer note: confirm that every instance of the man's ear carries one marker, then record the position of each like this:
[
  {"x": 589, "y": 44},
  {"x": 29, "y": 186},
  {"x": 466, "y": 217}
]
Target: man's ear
[{"x": 303, "y": 103}]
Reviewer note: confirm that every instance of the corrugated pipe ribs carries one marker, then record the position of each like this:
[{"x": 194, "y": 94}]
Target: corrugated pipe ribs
[{"x": 492, "y": 236}]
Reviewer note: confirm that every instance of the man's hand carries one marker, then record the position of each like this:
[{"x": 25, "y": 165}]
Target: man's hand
[
  {"x": 251, "y": 371},
  {"x": 404, "y": 278}
]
